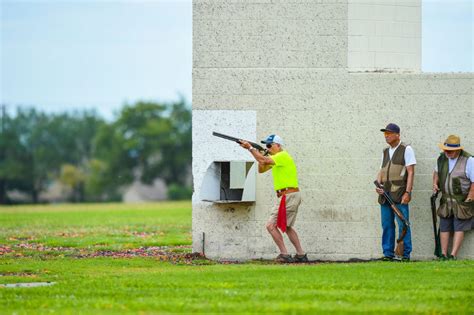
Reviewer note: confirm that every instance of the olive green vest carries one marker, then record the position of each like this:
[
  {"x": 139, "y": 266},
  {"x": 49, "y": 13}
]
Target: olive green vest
[
  {"x": 394, "y": 174},
  {"x": 454, "y": 186}
]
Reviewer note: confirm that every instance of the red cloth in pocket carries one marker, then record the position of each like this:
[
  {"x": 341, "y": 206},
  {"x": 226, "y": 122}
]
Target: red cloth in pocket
[{"x": 281, "y": 218}]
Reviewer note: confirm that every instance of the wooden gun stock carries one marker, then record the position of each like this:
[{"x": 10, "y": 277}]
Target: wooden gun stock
[
  {"x": 437, "y": 250},
  {"x": 398, "y": 213}
]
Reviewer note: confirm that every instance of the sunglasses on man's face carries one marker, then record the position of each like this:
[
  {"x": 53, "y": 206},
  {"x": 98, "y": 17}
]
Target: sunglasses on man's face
[{"x": 269, "y": 145}]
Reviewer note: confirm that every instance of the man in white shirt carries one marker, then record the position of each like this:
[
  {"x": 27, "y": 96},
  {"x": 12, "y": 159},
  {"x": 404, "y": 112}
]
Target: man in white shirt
[
  {"x": 454, "y": 176},
  {"x": 396, "y": 175}
]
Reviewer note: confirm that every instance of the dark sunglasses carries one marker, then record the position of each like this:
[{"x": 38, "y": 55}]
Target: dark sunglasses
[{"x": 269, "y": 145}]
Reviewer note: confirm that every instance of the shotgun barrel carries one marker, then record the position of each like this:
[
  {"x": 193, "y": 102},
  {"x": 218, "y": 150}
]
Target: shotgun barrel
[
  {"x": 253, "y": 144},
  {"x": 393, "y": 205},
  {"x": 437, "y": 250},
  {"x": 399, "y": 250}
]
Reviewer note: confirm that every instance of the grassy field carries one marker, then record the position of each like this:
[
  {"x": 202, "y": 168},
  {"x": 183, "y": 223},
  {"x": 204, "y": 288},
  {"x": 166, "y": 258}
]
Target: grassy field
[{"x": 137, "y": 259}]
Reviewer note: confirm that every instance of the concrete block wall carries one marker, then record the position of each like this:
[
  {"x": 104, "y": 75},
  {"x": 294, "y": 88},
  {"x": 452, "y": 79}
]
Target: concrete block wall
[
  {"x": 384, "y": 35},
  {"x": 269, "y": 34},
  {"x": 330, "y": 119}
]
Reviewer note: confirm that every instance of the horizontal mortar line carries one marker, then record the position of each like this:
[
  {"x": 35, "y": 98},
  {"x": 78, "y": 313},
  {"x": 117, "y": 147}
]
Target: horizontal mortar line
[
  {"x": 312, "y": 96},
  {"x": 382, "y": 36},
  {"x": 330, "y": 73},
  {"x": 384, "y": 5},
  {"x": 384, "y": 20},
  {"x": 392, "y": 53},
  {"x": 272, "y": 68},
  {"x": 343, "y": 36},
  {"x": 268, "y": 36},
  {"x": 340, "y": 72},
  {"x": 386, "y": 52},
  {"x": 272, "y": 20},
  {"x": 336, "y": 69},
  {"x": 331, "y": 94},
  {"x": 388, "y": 21},
  {"x": 351, "y": 111},
  {"x": 260, "y": 34},
  {"x": 267, "y": 51}
]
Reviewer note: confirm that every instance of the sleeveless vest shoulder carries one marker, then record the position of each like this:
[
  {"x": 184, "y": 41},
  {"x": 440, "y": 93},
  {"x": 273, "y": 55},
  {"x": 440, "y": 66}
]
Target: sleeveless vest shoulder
[
  {"x": 394, "y": 173},
  {"x": 454, "y": 186}
]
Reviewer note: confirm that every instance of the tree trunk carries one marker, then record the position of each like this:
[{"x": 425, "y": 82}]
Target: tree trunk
[
  {"x": 3, "y": 193},
  {"x": 34, "y": 195}
]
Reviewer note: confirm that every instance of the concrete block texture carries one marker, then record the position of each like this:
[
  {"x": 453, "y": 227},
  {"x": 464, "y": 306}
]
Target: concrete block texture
[
  {"x": 328, "y": 116},
  {"x": 330, "y": 122},
  {"x": 215, "y": 220},
  {"x": 269, "y": 34},
  {"x": 384, "y": 35}
]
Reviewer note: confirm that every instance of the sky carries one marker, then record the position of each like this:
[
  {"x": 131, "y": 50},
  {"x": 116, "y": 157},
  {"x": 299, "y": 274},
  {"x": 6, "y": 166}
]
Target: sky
[
  {"x": 447, "y": 35},
  {"x": 62, "y": 55},
  {"x": 78, "y": 54}
]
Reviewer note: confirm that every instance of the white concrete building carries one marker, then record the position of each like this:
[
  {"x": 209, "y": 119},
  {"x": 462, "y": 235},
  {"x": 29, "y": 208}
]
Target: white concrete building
[{"x": 325, "y": 75}]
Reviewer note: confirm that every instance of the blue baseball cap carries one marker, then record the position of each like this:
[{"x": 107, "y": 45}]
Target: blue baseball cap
[
  {"x": 391, "y": 128},
  {"x": 273, "y": 139}
]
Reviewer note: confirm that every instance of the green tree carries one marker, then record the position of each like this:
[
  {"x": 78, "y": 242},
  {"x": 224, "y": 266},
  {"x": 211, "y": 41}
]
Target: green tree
[
  {"x": 73, "y": 178},
  {"x": 14, "y": 159},
  {"x": 35, "y": 145},
  {"x": 148, "y": 141}
]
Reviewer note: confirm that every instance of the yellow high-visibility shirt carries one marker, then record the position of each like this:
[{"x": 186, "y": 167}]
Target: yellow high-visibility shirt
[{"x": 284, "y": 171}]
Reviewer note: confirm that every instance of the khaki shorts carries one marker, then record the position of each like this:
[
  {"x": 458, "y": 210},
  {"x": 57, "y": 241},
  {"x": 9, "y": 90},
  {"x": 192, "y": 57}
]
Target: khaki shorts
[
  {"x": 293, "y": 201},
  {"x": 454, "y": 224}
]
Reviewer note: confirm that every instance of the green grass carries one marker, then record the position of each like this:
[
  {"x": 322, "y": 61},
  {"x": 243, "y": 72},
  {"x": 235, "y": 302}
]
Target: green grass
[
  {"x": 148, "y": 285},
  {"x": 109, "y": 226}
]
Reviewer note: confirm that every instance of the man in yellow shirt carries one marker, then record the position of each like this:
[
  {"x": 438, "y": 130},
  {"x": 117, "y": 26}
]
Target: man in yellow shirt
[{"x": 285, "y": 181}]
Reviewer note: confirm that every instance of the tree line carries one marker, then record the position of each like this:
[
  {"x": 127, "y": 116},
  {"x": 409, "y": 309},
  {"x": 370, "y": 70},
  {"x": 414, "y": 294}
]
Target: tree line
[{"x": 94, "y": 159}]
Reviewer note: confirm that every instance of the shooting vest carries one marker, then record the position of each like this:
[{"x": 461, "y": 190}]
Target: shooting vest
[
  {"x": 394, "y": 174},
  {"x": 455, "y": 188}
]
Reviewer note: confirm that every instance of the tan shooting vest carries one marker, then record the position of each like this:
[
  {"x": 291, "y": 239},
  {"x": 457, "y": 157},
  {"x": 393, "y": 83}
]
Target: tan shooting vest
[
  {"x": 455, "y": 188},
  {"x": 394, "y": 174}
]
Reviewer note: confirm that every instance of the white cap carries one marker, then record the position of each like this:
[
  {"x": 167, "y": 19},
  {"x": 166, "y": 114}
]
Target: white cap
[{"x": 273, "y": 139}]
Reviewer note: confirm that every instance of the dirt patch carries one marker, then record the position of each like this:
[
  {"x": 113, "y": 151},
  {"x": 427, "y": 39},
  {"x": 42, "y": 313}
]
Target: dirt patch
[
  {"x": 173, "y": 254},
  {"x": 18, "y": 274}
]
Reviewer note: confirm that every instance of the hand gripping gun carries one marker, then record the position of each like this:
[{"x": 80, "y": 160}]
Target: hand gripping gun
[{"x": 398, "y": 213}]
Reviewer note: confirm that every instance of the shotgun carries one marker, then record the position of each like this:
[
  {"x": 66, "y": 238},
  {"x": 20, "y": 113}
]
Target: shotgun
[
  {"x": 437, "y": 251},
  {"x": 253, "y": 144},
  {"x": 399, "y": 214}
]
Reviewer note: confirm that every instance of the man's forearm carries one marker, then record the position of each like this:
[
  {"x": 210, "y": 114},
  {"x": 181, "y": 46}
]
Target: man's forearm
[
  {"x": 411, "y": 175},
  {"x": 435, "y": 181},
  {"x": 258, "y": 156},
  {"x": 379, "y": 177},
  {"x": 262, "y": 168},
  {"x": 470, "y": 195}
]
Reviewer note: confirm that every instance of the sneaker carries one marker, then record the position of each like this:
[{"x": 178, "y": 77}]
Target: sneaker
[
  {"x": 284, "y": 258},
  {"x": 405, "y": 259},
  {"x": 451, "y": 257},
  {"x": 301, "y": 258},
  {"x": 386, "y": 258},
  {"x": 442, "y": 258}
]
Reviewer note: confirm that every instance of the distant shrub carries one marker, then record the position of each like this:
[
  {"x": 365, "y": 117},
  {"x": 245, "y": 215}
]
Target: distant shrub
[{"x": 178, "y": 192}]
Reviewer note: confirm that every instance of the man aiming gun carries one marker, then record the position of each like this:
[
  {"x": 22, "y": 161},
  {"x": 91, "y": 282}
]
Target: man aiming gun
[{"x": 285, "y": 180}]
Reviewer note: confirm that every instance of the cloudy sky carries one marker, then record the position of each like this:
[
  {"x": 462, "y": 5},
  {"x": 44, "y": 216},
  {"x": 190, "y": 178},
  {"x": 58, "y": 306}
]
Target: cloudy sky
[{"x": 62, "y": 55}]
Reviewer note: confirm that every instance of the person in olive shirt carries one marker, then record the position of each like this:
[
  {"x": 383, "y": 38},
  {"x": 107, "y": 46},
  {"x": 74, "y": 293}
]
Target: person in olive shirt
[
  {"x": 454, "y": 176},
  {"x": 396, "y": 174},
  {"x": 285, "y": 181}
]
